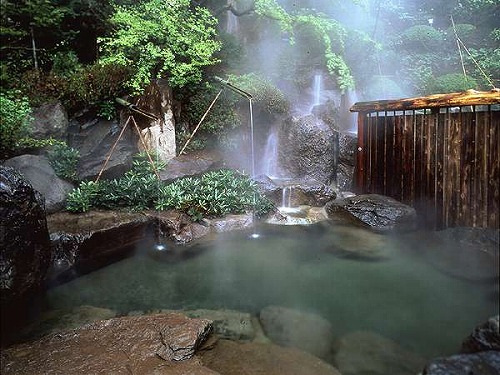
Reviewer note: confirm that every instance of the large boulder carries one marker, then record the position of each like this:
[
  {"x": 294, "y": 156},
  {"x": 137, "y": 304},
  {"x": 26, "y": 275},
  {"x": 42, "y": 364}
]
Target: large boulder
[
  {"x": 369, "y": 353},
  {"x": 192, "y": 164},
  {"x": 484, "y": 337},
  {"x": 307, "y": 331},
  {"x": 38, "y": 171},
  {"x": 154, "y": 344},
  {"x": 250, "y": 358},
  {"x": 483, "y": 363},
  {"x": 377, "y": 212},
  {"x": 347, "y": 159},
  {"x": 228, "y": 324},
  {"x": 24, "y": 244},
  {"x": 294, "y": 193},
  {"x": 50, "y": 120},
  {"x": 92, "y": 239},
  {"x": 94, "y": 139},
  {"x": 308, "y": 149}
]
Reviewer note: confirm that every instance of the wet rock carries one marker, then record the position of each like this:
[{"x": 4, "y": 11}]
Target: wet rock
[
  {"x": 24, "y": 248},
  {"x": 53, "y": 321},
  {"x": 38, "y": 171},
  {"x": 89, "y": 240},
  {"x": 153, "y": 344},
  {"x": 50, "y": 120},
  {"x": 483, "y": 363},
  {"x": 484, "y": 337},
  {"x": 464, "y": 253},
  {"x": 297, "y": 192},
  {"x": 250, "y": 358},
  {"x": 368, "y": 353},
  {"x": 377, "y": 212},
  {"x": 347, "y": 159},
  {"x": 65, "y": 251},
  {"x": 294, "y": 328},
  {"x": 307, "y": 149},
  {"x": 231, "y": 223},
  {"x": 228, "y": 324},
  {"x": 94, "y": 138},
  {"x": 192, "y": 164}
]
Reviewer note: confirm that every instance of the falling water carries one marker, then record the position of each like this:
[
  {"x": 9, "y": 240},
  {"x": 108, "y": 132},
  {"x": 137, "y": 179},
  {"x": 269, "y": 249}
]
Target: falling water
[
  {"x": 252, "y": 138},
  {"x": 270, "y": 156},
  {"x": 286, "y": 197},
  {"x": 317, "y": 89},
  {"x": 351, "y": 117},
  {"x": 231, "y": 23}
]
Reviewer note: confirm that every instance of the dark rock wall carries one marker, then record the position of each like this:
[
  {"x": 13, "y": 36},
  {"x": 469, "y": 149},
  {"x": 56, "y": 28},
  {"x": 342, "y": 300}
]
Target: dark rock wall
[{"x": 24, "y": 246}]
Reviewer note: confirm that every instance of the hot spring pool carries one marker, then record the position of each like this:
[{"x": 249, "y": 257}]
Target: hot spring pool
[{"x": 355, "y": 279}]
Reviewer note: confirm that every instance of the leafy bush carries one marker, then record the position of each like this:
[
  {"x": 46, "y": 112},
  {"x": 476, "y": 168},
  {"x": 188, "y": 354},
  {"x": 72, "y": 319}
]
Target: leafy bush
[
  {"x": 42, "y": 87},
  {"x": 15, "y": 121},
  {"x": 215, "y": 193},
  {"x": 264, "y": 93},
  {"x": 83, "y": 198},
  {"x": 454, "y": 82},
  {"x": 421, "y": 37},
  {"x": 161, "y": 39},
  {"x": 65, "y": 64},
  {"x": 212, "y": 194},
  {"x": 64, "y": 160}
]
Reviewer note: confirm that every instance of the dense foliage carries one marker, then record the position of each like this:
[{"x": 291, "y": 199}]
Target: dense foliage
[
  {"x": 15, "y": 121},
  {"x": 161, "y": 39},
  {"x": 213, "y": 194}
]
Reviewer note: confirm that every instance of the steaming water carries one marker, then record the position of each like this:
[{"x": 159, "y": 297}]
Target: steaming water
[{"x": 399, "y": 296}]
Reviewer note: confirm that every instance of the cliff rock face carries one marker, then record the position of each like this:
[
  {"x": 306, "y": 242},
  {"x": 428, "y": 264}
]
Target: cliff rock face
[{"x": 24, "y": 246}]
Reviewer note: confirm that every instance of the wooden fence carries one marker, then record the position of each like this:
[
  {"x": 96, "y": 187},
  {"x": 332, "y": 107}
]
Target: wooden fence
[{"x": 442, "y": 160}]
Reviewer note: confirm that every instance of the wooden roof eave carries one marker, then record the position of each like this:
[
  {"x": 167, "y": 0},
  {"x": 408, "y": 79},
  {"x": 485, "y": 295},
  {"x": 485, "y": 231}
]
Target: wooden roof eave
[{"x": 469, "y": 97}]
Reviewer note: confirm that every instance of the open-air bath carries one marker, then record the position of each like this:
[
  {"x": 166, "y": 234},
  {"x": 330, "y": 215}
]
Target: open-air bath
[
  {"x": 350, "y": 279},
  {"x": 258, "y": 187}
]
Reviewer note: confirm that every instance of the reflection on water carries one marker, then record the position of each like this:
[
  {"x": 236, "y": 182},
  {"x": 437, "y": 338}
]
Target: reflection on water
[{"x": 356, "y": 279}]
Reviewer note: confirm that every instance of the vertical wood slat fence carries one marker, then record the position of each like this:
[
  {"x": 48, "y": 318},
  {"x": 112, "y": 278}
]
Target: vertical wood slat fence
[{"x": 439, "y": 154}]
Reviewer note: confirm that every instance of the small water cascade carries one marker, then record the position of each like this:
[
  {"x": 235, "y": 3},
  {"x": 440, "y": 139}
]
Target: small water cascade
[
  {"x": 269, "y": 162},
  {"x": 349, "y": 119},
  {"x": 231, "y": 23},
  {"x": 286, "y": 197},
  {"x": 317, "y": 87}
]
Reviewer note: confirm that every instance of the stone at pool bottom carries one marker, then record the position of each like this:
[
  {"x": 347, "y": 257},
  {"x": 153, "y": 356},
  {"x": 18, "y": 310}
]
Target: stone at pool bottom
[
  {"x": 159, "y": 344},
  {"x": 250, "y": 358},
  {"x": 154, "y": 344}
]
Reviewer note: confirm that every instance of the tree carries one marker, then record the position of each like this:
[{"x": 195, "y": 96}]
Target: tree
[{"x": 161, "y": 39}]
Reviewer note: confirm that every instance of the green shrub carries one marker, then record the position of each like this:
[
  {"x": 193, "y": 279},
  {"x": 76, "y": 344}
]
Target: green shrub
[
  {"x": 454, "y": 82},
  {"x": 15, "y": 121},
  {"x": 83, "y": 198},
  {"x": 421, "y": 37},
  {"x": 65, "y": 64},
  {"x": 215, "y": 193},
  {"x": 264, "y": 93},
  {"x": 64, "y": 160}
]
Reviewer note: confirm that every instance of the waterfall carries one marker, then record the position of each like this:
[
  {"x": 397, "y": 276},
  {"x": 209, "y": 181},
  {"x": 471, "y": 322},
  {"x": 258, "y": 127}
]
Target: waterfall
[
  {"x": 270, "y": 157},
  {"x": 286, "y": 197},
  {"x": 231, "y": 23},
  {"x": 317, "y": 89},
  {"x": 350, "y": 119}
]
